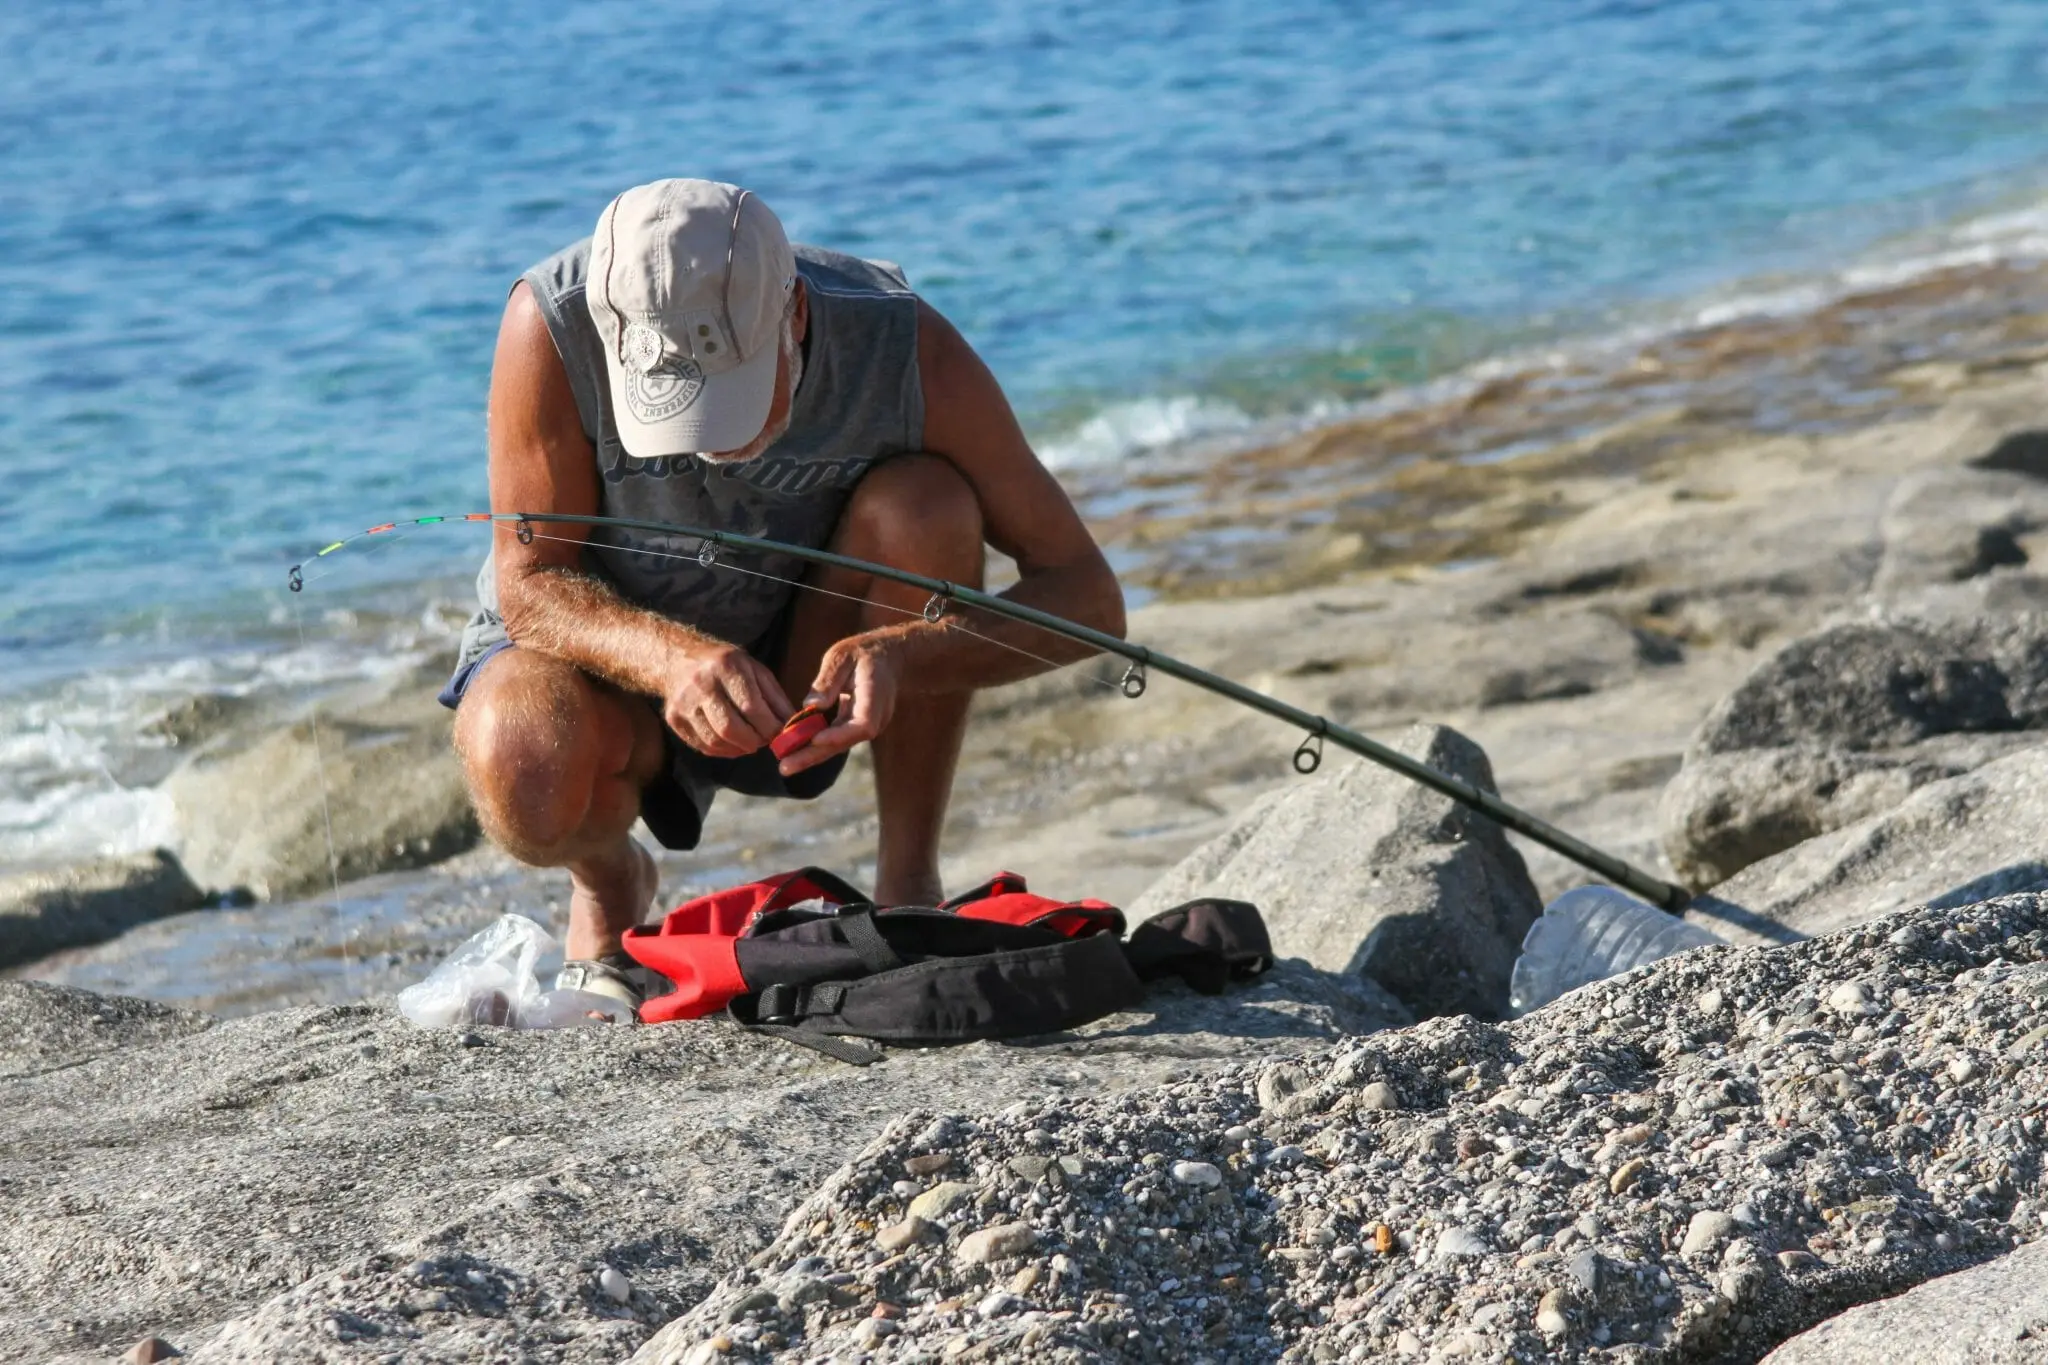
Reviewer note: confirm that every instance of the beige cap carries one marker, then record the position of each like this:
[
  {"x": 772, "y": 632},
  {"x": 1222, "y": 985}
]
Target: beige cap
[{"x": 689, "y": 282}]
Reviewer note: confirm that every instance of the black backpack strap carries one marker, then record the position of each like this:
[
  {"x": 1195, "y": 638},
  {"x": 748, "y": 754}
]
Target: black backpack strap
[
  {"x": 858, "y": 927},
  {"x": 839, "y": 1049}
]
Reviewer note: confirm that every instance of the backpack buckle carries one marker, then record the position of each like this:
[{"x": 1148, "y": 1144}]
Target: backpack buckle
[{"x": 777, "y": 1004}]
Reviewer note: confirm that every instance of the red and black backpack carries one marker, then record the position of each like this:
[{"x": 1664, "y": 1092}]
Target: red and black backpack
[{"x": 807, "y": 956}]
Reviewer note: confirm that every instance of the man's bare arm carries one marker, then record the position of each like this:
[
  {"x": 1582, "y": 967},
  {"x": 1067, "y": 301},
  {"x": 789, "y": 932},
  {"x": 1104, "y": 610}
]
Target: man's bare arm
[
  {"x": 718, "y": 698},
  {"x": 1025, "y": 514}
]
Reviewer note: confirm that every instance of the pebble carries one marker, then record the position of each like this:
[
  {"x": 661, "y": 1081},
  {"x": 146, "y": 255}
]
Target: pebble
[
  {"x": 1029, "y": 1166},
  {"x": 1237, "y": 1134},
  {"x": 1550, "y": 1315},
  {"x": 941, "y": 1199},
  {"x": 1407, "y": 1343},
  {"x": 1457, "y": 1242},
  {"x": 615, "y": 1285},
  {"x": 1584, "y": 1269},
  {"x": 1277, "y": 1084},
  {"x": 998, "y": 1303},
  {"x": 1379, "y": 1096},
  {"x": 996, "y": 1243},
  {"x": 149, "y": 1350},
  {"x": 1026, "y": 1280},
  {"x": 1626, "y": 1174},
  {"x": 1852, "y": 999},
  {"x": 871, "y": 1332},
  {"x": 1197, "y": 1173},
  {"x": 1797, "y": 1259},
  {"x": 1962, "y": 1070},
  {"x": 906, "y": 1189},
  {"x": 759, "y": 1301},
  {"x": 897, "y": 1236},
  {"x": 929, "y": 1164},
  {"x": 1708, "y": 1002},
  {"x": 1707, "y": 1230},
  {"x": 1284, "y": 1156}
]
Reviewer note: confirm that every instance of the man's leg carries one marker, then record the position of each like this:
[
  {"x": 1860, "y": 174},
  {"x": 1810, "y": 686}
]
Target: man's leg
[
  {"x": 913, "y": 512},
  {"x": 556, "y": 760}
]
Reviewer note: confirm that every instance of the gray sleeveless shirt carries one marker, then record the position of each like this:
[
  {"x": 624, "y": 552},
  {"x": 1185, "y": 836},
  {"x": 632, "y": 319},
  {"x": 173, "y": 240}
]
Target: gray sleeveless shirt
[{"x": 859, "y": 401}]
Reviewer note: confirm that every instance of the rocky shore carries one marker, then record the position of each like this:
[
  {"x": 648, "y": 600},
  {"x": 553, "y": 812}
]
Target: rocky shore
[{"x": 1794, "y": 653}]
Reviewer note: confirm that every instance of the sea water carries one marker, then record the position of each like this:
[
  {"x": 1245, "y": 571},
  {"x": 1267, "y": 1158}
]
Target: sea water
[{"x": 252, "y": 256}]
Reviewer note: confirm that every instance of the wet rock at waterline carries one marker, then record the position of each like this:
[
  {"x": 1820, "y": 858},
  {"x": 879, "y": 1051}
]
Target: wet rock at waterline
[
  {"x": 1363, "y": 870},
  {"x": 383, "y": 778},
  {"x": 45, "y": 910},
  {"x": 1848, "y": 722}
]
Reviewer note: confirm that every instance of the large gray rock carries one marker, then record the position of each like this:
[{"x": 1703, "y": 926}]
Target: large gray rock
[
  {"x": 334, "y": 1183},
  {"x": 1364, "y": 871},
  {"x": 1982, "y": 834},
  {"x": 45, "y": 910},
  {"x": 1845, "y": 723},
  {"x": 383, "y": 783},
  {"x": 1994, "y": 1314}
]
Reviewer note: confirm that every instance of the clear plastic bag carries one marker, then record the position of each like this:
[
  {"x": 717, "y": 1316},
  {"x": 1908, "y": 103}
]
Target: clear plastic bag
[{"x": 495, "y": 978}]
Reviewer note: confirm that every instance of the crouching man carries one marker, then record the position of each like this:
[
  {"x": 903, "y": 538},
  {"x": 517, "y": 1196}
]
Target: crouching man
[{"x": 687, "y": 365}]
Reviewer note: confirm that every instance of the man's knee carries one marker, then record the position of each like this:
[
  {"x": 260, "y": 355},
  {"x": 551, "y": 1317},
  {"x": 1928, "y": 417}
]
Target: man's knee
[
  {"x": 535, "y": 740},
  {"x": 918, "y": 505}
]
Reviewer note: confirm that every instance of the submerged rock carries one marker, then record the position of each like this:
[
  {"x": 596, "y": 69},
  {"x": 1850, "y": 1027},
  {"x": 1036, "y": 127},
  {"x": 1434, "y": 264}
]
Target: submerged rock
[
  {"x": 44, "y": 911},
  {"x": 1366, "y": 871},
  {"x": 1846, "y": 723}
]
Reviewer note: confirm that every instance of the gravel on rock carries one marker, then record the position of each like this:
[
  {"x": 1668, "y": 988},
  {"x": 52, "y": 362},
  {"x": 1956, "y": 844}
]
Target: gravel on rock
[{"x": 1791, "y": 1157}]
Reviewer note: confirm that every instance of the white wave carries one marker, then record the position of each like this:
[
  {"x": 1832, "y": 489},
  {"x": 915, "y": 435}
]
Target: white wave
[
  {"x": 64, "y": 748},
  {"x": 85, "y": 819},
  {"x": 2018, "y": 235},
  {"x": 1146, "y": 424}
]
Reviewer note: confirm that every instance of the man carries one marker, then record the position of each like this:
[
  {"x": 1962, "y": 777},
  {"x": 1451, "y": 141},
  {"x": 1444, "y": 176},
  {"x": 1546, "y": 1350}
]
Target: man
[{"x": 688, "y": 365}]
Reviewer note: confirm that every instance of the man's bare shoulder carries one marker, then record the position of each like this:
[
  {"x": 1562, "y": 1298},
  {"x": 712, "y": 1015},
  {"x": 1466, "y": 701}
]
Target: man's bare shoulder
[{"x": 966, "y": 411}]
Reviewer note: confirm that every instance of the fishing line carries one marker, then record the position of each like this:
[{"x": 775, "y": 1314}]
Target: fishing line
[
  {"x": 1307, "y": 758},
  {"x": 348, "y": 964}
]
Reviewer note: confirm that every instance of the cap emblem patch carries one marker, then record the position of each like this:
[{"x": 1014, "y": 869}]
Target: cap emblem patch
[
  {"x": 643, "y": 347},
  {"x": 660, "y": 394}
]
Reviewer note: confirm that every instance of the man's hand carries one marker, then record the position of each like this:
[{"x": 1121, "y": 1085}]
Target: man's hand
[
  {"x": 861, "y": 675},
  {"x": 723, "y": 702}
]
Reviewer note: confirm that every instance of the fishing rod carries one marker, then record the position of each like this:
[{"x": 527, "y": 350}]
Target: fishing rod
[{"x": 1142, "y": 659}]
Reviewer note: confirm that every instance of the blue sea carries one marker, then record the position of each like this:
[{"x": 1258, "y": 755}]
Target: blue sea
[{"x": 252, "y": 256}]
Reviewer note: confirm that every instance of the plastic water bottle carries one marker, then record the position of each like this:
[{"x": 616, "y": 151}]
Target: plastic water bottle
[{"x": 1589, "y": 934}]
